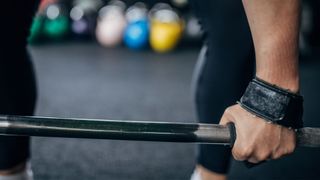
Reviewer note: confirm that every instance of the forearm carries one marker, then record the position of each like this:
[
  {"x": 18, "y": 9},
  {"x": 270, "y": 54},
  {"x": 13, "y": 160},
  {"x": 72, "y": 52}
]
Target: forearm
[{"x": 274, "y": 26}]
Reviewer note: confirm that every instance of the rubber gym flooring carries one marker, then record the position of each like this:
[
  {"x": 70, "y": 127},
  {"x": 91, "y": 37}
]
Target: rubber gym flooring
[{"x": 87, "y": 81}]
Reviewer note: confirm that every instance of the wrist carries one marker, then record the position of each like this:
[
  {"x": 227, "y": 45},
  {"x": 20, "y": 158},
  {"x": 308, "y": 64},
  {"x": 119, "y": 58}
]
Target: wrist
[
  {"x": 290, "y": 83},
  {"x": 273, "y": 103}
]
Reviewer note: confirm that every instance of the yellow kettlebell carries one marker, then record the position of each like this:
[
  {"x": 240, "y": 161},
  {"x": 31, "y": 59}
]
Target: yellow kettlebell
[{"x": 165, "y": 31}]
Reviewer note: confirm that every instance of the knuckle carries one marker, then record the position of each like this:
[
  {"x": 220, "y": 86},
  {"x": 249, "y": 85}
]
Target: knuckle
[
  {"x": 281, "y": 152},
  {"x": 291, "y": 148},
  {"x": 288, "y": 149},
  {"x": 275, "y": 155},
  {"x": 253, "y": 159},
  {"x": 262, "y": 156},
  {"x": 240, "y": 154},
  {"x": 245, "y": 153},
  {"x": 235, "y": 155}
]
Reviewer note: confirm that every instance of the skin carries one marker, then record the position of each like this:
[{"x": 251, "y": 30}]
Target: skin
[
  {"x": 274, "y": 26},
  {"x": 16, "y": 169},
  {"x": 209, "y": 175}
]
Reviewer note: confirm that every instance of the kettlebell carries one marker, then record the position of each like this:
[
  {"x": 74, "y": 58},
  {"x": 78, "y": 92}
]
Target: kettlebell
[
  {"x": 165, "y": 30},
  {"x": 136, "y": 34},
  {"x": 111, "y": 24}
]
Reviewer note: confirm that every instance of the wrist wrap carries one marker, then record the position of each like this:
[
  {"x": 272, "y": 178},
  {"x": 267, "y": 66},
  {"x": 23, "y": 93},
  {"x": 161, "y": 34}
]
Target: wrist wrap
[{"x": 273, "y": 103}]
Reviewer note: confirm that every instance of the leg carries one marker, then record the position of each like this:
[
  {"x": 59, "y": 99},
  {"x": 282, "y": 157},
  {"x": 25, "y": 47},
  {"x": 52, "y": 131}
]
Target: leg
[
  {"x": 17, "y": 94},
  {"x": 17, "y": 87},
  {"x": 226, "y": 68}
]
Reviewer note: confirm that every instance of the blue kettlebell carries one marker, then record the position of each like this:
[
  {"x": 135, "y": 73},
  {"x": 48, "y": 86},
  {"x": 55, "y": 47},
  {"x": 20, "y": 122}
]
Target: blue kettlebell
[{"x": 136, "y": 34}]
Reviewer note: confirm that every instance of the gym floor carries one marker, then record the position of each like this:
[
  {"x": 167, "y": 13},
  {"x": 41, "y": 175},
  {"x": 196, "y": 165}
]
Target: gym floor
[{"x": 85, "y": 80}]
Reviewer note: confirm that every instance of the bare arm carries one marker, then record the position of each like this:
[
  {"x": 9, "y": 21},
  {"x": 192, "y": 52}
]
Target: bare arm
[
  {"x": 274, "y": 26},
  {"x": 275, "y": 29}
]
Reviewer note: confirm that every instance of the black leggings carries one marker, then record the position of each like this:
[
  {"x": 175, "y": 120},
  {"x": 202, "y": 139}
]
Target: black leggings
[
  {"x": 17, "y": 84},
  {"x": 224, "y": 68}
]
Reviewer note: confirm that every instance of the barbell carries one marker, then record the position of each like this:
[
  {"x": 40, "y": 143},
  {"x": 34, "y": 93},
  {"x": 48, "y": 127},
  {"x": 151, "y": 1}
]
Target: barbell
[{"x": 133, "y": 130}]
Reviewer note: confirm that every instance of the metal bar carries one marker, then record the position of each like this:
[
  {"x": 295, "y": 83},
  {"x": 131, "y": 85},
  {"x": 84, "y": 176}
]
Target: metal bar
[
  {"x": 130, "y": 130},
  {"x": 113, "y": 129}
]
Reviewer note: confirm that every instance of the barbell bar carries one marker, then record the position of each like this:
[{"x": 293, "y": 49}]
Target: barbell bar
[{"x": 131, "y": 130}]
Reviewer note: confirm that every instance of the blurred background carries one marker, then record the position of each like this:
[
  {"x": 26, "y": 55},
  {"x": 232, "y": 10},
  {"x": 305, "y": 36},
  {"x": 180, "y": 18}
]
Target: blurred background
[
  {"x": 136, "y": 25},
  {"x": 134, "y": 60}
]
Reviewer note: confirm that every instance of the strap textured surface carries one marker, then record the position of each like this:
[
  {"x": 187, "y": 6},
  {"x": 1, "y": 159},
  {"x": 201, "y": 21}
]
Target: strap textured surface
[{"x": 273, "y": 103}]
